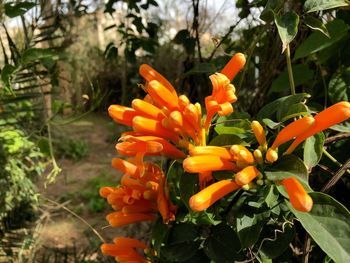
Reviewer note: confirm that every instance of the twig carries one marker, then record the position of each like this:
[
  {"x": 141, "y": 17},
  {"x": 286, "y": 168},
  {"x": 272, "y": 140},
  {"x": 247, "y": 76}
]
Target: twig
[
  {"x": 223, "y": 39},
  {"x": 336, "y": 177},
  {"x": 195, "y": 25},
  {"x": 290, "y": 71},
  {"x": 306, "y": 248},
  {"x": 77, "y": 216},
  {"x": 337, "y": 137},
  {"x": 330, "y": 157},
  {"x": 326, "y": 169}
]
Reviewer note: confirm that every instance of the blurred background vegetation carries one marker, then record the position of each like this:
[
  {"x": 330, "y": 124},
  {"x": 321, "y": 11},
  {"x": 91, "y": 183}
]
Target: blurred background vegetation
[{"x": 64, "y": 62}]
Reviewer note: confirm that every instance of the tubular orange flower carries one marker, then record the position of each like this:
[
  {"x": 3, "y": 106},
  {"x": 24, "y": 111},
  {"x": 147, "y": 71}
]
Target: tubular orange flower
[
  {"x": 153, "y": 127},
  {"x": 222, "y": 96},
  {"x": 235, "y": 64},
  {"x": 117, "y": 219},
  {"x": 162, "y": 96},
  {"x": 147, "y": 109},
  {"x": 121, "y": 114},
  {"x": 129, "y": 242},
  {"x": 246, "y": 175},
  {"x": 271, "y": 155},
  {"x": 335, "y": 114},
  {"x": 125, "y": 166},
  {"x": 293, "y": 130},
  {"x": 211, "y": 150},
  {"x": 168, "y": 148},
  {"x": 258, "y": 156},
  {"x": 149, "y": 74},
  {"x": 211, "y": 194},
  {"x": 298, "y": 197},
  {"x": 242, "y": 155},
  {"x": 124, "y": 249},
  {"x": 259, "y": 132},
  {"x": 205, "y": 163}
]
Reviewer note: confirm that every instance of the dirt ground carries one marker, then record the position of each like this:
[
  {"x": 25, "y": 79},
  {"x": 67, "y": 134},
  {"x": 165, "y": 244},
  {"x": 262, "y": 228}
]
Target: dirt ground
[{"x": 68, "y": 229}]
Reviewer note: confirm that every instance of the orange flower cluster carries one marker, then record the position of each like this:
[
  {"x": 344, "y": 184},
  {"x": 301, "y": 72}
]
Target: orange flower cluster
[
  {"x": 166, "y": 124},
  {"x": 125, "y": 250},
  {"x": 239, "y": 160},
  {"x": 163, "y": 124},
  {"x": 171, "y": 119}
]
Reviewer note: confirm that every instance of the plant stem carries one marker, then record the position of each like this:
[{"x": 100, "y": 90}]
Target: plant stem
[
  {"x": 290, "y": 71},
  {"x": 336, "y": 177},
  {"x": 330, "y": 157}
]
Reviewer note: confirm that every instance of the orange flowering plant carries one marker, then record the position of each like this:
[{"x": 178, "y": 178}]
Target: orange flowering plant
[{"x": 232, "y": 187}]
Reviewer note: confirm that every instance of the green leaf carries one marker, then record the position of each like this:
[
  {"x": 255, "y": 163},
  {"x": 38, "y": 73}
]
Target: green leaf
[
  {"x": 343, "y": 127},
  {"x": 249, "y": 227},
  {"x": 338, "y": 87},
  {"x": 316, "y": 24},
  {"x": 319, "y": 5},
  {"x": 287, "y": 112},
  {"x": 302, "y": 74},
  {"x": 182, "y": 233},
  {"x": 270, "y": 110},
  {"x": 199, "y": 257},
  {"x": 189, "y": 185},
  {"x": 160, "y": 232},
  {"x": 313, "y": 149},
  {"x": 317, "y": 41},
  {"x": 18, "y": 9},
  {"x": 34, "y": 54},
  {"x": 180, "y": 245},
  {"x": 181, "y": 36},
  {"x": 271, "y": 196},
  {"x": 328, "y": 223},
  {"x": 180, "y": 252},
  {"x": 6, "y": 72},
  {"x": 287, "y": 26},
  {"x": 276, "y": 245},
  {"x": 288, "y": 166},
  {"x": 272, "y": 7},
  {"x": 226, "y": 140},
  {"x": 223, "y": 244}
]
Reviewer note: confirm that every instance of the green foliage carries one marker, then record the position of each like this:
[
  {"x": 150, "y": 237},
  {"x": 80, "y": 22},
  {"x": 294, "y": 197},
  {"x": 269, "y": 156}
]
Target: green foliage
[
  {"x": 287, "y": 26},
  {"x": 74, "y": 149},
  {"x": 328, "y": 223},
  {"x": 319, "y": 5},
  {"x": 92, "y": 199},
  {"x": 21, "y": 163}
]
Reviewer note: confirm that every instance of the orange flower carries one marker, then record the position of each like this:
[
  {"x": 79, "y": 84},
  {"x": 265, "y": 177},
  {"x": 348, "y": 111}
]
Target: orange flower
[
  {"x": 220, "y": 101},
  {"x": 161, "y": 96},
  {"x": 235, "y": 64},
  {"x": 139, "y": 196},
  {"x": 246, "y": 175},
  {"x": 168, "y": 149},
  {"x": 242, "y": 155},
  {"x": 205, "y": 163},
  {"x": 298, "y": 197},
  {"x": 211, "y": 194},
  {"x": 335, "y": 114},
  {"x": 147, "y": 109},
  {"x": 222, "y": 152},
  {"x": 121, "y": 114},
  {"x": 259, "y": 133},
  {"x": 124, "y": 249},
  {"x": 149, "y": 74},
  {"x": 288, "y": 133},
  {"x": 117, "y": 219},
  {"x": 153, "y": 127},
  {"x": 223, "y": 92}
]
